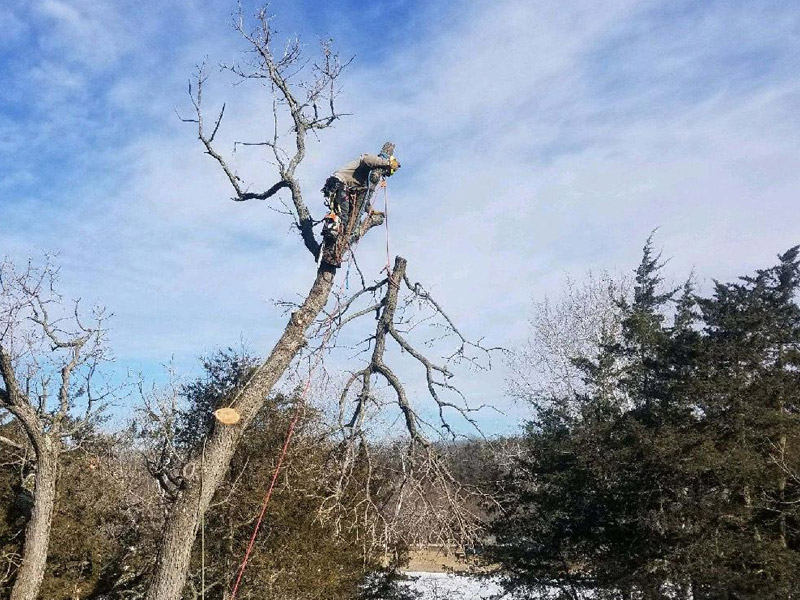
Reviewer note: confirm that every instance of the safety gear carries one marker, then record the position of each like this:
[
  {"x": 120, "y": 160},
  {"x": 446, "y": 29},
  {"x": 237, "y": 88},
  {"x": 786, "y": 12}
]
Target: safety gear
[
  {"x": 331, "y": 227},
  {"x": 347, "y": 196}
]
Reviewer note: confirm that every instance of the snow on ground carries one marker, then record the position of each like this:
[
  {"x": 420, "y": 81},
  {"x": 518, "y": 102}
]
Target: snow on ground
[{"x": 445, "y": 586}]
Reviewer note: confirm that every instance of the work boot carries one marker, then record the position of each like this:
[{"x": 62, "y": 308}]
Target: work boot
[
  {"x": 331, "y": 227},
  {"x": 329, "y": 256}
]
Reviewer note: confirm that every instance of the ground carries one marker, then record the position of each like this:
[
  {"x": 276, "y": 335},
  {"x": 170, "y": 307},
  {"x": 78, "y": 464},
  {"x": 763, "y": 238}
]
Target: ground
[{"x": 446, "y": 586}]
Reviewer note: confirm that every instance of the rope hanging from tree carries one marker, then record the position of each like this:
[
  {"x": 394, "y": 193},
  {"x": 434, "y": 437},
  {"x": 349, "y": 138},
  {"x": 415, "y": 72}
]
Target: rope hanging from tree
[{"x": 230, "y": 416}]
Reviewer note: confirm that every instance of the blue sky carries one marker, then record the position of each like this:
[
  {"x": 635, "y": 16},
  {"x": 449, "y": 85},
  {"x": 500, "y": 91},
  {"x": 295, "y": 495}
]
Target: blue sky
[{"x": 539, "y": 139}]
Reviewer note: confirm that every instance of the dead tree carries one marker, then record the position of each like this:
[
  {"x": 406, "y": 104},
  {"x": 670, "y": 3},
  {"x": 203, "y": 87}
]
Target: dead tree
[
  {"x": 304, "y": 94},
  {"x": 48, "y": 361},
  {"x": 303, "y": 103},
  {"x": 422, "y": 501}
]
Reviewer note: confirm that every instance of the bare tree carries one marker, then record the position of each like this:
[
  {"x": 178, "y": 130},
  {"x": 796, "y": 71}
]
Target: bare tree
[
  {"x": 572, "y": 326},
  {"x": 303, "y": 103},
  {"x": 49, "y": 359},
  {"x": 305, "y": 93},
  {"x": 157, "y": 423},
  {"x": 421, "y": 501}
]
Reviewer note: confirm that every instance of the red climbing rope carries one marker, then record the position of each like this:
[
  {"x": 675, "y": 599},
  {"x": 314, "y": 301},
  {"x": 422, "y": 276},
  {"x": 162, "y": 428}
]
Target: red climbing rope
[
  {"x": 298, "y": 410},
  {"x": 267, "y": 498}
]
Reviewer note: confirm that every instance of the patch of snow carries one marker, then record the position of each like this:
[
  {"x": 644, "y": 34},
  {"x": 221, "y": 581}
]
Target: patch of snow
[{"x": 446, "y": 586}]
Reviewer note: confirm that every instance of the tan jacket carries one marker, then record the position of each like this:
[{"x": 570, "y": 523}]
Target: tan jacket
[{"x": 355, "y": 173}]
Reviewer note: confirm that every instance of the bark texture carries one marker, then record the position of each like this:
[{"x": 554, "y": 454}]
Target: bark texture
[
  {"x": 194, "y": 498},
  {"x": 44, "y": 350},
  {"x": 37, "y": 533}
]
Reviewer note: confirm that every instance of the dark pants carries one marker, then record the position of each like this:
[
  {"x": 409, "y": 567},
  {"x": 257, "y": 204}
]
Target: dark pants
[{"x": 343, "y": 201}]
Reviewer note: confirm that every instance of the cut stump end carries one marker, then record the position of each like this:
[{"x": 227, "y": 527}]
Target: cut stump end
[{"x": 227, "y": 416}]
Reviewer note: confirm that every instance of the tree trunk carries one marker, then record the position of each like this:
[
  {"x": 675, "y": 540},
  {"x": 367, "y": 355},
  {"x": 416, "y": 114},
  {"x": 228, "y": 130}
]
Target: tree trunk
[
  {"x": 181, "y": 528},
  {"x": 37, "y": 533},
  {"x": 782, "y": 495}
]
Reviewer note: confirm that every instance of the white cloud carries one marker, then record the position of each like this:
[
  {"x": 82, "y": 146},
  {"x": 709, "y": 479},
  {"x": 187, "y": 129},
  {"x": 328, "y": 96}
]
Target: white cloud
[
  {"x": 537, "y": 138},
  {"x": 94, "y": 34}
]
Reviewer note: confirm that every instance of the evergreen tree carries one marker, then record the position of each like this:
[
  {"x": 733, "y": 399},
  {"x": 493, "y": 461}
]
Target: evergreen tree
[
  {"x": 680, "y": 477},
  {"x": 746, "y": 389},
  {"x": 298, "y": 554}
]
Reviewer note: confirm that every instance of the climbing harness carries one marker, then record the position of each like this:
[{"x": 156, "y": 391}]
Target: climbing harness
[{"x": 337, "y": 228}]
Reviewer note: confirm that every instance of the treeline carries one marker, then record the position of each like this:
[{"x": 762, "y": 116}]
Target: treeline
[
  {"x": 661, "y": 460},
  {"x": 330, "y": 533},
  {"x": 111, "y": 509},
  {"x": 671, "y": 468}
]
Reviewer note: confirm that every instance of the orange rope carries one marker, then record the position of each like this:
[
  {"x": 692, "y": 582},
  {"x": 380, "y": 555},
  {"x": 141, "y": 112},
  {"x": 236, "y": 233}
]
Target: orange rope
[
  {"x": 284, "y": 450},
  {"x": 267, "y": 498},
  {"x": 300, "y": 405}
]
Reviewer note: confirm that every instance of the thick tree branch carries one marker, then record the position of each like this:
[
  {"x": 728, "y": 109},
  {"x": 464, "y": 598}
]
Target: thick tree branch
[
  {"x": 319, "y": 89},
  {"x": 263, "y": 195},
  {"x": 12, "y": 443}
]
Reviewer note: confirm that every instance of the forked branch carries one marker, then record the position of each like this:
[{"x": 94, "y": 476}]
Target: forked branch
[
  {"x": 426, "y": 500},
  {"x": 303, "y": 101}
]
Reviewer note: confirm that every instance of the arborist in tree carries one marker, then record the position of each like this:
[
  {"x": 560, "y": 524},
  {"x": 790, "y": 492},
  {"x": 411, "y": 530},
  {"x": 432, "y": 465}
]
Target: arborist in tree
[{"x": 347, "y": 194}]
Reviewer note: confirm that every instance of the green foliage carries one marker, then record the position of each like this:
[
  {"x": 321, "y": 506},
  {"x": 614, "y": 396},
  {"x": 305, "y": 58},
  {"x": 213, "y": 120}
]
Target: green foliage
[
  {"x": 15, "y": 505},
  {"x": 680, "y": 475},
  {"x": 225, "y": 371},
  {"x": 109, "y": 512},
  {"x": 299, "y": 554},
  {"x": 104, "y": 526}
]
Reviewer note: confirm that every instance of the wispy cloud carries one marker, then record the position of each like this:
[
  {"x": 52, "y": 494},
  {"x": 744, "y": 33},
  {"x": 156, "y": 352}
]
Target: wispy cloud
[{"x": 537, "y": 138}]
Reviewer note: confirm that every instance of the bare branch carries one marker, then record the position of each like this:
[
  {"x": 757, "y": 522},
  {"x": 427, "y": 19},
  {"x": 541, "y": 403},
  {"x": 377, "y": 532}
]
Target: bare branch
[
  {"x": 462, "y": 352},
  {"x": 426, "y": 499},
  {"x": 301, "y": 88},
  {"x": 263, "y": 195},
  {"x": 12, "y": 443}
]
